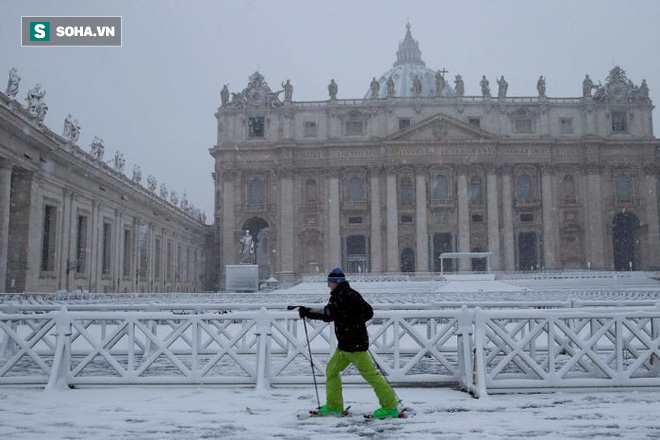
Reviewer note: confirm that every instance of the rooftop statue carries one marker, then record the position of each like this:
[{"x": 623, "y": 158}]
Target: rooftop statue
[
  {"x": 152, "y": 183},
  {"x": 36, "y": 105},
  {"x": 184, "y": 201},
  {"x": 137, "y": 174},
  {"x": 540, "y": 86},
  {"x": 174, "y": 198},
  {"x": 119, "y": 162},
  {"x": 503, "y": 87},
  {"x": 224, "y": 95},
  {"x": 375, "y": 88},
  {"x": 587, "y": 87},
  {"x": 288, "y": 90},
  {"x": 439, "y": 82},
  {"x": 485, "y": 87},
  {"x": 332, "y": 89},
  {"x": 390, "y": 87},
  {"x": 97, "y": 149},
  {"x": 257, "y": 94},
  {"x": 459, "y": 85},
  {"x": 71, "y": 129},
  {"x": 12, "y": 83},
  {"x": 163, "y": 191}
]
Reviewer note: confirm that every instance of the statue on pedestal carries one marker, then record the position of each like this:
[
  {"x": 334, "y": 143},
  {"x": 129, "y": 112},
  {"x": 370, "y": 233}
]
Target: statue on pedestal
[
  {"x": 375, "y": 88},
  {"x": 137, "y": 174},
  {"x": 459, "y": 85},
  {"x": 36, "y": 105},
  {"x": 390, "y": 87},
  {"x": 120, "y": 162},
  {"x": 163, "y": 191},
  {"x": 224, "y": 95},
  {"x": 540, "y": 87},
  {"x": 71, "y": 129},
  {"x": 247, "y": 251},
  {"x": 587, "y": 87},
  {"x": 288, "y": 91},
  {"x": 485, "y": 87},
  {"x": 416, "y": 86},
  {"x": 332, "y": 89},
  {"x": 503, "y": 87},
  {"x": 97, "y": 149},
  {"x": 439, "y": 82},
  {"x": 12, "y": 83},
  {"x": 152, "y": 183}
]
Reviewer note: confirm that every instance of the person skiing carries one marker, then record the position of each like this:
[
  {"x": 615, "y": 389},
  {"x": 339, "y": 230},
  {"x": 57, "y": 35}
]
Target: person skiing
[{"x": 350, "y": 312}]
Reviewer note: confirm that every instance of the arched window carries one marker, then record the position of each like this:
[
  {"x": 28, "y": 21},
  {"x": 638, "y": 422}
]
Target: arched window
[
  {"x": 524, "y": 188},
  {"x": 256, "y": 192},
  {"x": 440, "y": 188},
  {"x": 476, "y": 194},
  {"x": 568, "y": 188},
  {"x": 623, "y": 187},
  {"x": 406, "y": 191},
  {"x": 355, "y": 193},
  {"x": 311, "y": 191}
]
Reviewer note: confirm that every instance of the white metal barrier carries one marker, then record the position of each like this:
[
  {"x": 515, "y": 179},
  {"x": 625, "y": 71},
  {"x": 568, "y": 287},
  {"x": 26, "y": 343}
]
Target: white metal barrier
[{"x": 480, "y": 350}]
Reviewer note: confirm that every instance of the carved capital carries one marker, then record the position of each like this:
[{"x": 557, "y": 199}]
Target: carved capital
[
  {"x": 332, "y": 172},
  {"x": 286, "y": 173},
  {"x": 461, "y": 169},
  {"x": 547, "y": 168},
  {"x": 376, "y": 170},
  {"x": 5, "y": 164},
  {"x": 506, "y": 170},
  {"x": 592, "y": 168},
  {"x": 391, "y": 169},
  {"x": 420, "y": 169},
  {"x": 491, "y": 168}
]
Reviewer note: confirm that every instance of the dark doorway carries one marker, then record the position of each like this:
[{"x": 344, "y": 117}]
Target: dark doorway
[
  {"x": 442, "y": 243},
  {"x": 478, "y": 264},
  {"x": 407, "y": 260},
  {"x": 625, "y": 236},
  {"x": 356, "y": 254},
  {"x": 527, "y": 251}
]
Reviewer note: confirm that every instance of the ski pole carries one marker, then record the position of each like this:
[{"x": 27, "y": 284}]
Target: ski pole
[{"x": 316, "y": 387}]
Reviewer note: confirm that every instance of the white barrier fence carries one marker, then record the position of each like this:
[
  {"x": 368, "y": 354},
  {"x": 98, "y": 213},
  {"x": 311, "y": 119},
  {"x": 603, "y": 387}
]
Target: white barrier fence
[{"x": 480, "y": 350}]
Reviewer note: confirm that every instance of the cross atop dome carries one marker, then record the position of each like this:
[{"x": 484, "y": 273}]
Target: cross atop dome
[{"x": 409, "y": 52}]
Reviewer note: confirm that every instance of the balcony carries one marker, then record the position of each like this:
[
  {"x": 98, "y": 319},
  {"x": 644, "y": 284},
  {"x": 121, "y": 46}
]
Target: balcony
[
  {"x": 526, "y": 203},
  {"x": 262, "y": 207},
  {"x": 442, "y": 203},
  {"x": 354, "y": 205}
]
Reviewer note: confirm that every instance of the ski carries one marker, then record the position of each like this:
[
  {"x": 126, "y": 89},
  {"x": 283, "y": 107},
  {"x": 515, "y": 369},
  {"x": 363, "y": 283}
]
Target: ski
[{"x": 403, "y": 414}]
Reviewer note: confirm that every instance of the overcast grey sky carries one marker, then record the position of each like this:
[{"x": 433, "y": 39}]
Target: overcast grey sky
[{"x": 154, "y": 99}]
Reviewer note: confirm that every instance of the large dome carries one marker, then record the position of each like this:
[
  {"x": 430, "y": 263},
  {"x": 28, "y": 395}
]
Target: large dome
[{"x": 408, "y": 64}]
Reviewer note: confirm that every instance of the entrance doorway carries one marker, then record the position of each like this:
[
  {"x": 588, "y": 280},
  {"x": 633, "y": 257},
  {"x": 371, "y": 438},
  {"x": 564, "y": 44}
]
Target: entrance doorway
[
  {"x": 407, "y": 260},
  {"x": 528, "y": 251},
  {"x": 356, "y": 254},
  {"x": 625, "y": 237},
  {"x": 442, "y": 243}
]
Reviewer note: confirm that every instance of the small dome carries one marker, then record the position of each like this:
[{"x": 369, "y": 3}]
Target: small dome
[{"x": 408, "y": 64}]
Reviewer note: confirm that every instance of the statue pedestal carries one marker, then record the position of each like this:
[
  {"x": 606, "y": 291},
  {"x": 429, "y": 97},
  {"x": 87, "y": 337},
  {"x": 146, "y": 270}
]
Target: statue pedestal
[{"x": 242, "y": 277}]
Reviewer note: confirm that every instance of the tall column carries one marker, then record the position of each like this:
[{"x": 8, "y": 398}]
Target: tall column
[
  {"x": 594, "y": 218},
  {"x": 651, "y": 198},
  {"x": 135, "y": 252},
  {"x": 463, "y": 218},
  {"x": 34, "y": 242},
  {"x": 376, "y": 221},
  {"x": 118, "y": 247},
  {"x": 228, "y": 219},
  {"x": 421, "y": 221},
  {"x": 334, "y": 235},
  {"x": 286, "y": 225},
  {"x": 5, "y": 209},
  {"x": 67, "y": 260},
  {"x": 507, "y": 218},
  {"x": 493, "y": 217},
  {"x": 94, "y": 246},
  {"x": 549, "y": 219},
  {"x": 392, "y": 222}
]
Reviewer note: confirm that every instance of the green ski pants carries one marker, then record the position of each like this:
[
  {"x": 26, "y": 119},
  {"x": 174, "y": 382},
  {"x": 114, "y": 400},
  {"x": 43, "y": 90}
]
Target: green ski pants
[{"x": 339, "y": 361}]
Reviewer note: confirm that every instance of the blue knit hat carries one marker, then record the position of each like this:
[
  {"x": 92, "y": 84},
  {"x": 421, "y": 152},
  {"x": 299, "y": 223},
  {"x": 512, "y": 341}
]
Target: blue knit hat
[{"x": 336, "y": 276}]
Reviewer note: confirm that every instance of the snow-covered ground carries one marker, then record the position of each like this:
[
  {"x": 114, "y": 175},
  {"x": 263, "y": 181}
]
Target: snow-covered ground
[{"x": 243, "y": 413}]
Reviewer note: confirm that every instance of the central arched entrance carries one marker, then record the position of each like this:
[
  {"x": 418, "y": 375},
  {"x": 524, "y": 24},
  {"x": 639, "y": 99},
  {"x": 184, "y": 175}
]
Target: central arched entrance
[{"x": 625, "y": 241}]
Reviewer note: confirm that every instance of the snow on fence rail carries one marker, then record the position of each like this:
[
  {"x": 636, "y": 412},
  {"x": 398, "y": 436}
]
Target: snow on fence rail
[{"x": 480, "y": 350}]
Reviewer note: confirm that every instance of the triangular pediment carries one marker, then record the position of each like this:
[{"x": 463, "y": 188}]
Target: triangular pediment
[{"x": 441, "y": 127}]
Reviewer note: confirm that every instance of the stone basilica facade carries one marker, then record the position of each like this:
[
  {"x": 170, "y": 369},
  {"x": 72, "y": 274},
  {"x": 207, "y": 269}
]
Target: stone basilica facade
[{"x": 417, "y": 168}]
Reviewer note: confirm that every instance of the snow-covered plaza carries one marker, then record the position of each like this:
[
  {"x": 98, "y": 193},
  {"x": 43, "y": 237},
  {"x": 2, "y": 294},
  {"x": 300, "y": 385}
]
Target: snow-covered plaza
[{"x": 147, "y": 400}]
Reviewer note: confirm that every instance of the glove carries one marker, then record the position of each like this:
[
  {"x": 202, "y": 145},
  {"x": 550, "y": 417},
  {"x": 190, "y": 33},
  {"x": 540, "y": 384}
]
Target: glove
[{"x": 303, "y": 312}]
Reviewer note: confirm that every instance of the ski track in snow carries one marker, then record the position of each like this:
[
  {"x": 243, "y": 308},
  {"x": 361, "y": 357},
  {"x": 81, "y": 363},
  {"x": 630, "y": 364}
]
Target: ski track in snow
[{"x": 244, "y": 413}]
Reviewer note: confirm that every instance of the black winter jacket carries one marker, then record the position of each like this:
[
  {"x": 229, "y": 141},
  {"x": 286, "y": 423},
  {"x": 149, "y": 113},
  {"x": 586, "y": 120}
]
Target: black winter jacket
[{"x": 350, "y": 312}]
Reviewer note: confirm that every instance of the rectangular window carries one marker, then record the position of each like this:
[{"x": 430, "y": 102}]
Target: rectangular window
[
  {"x": 406, "y": 218},
  {"x": 475, "y": 122},
  {"x": 107, "y": 248},
  {"x": 527, "y": 218},
  {"x": 354, "y": 220},
  {"x": 522, "y": 125},
  {"x": 256, "y": 128},
  {"x": 619, "y": 122},
  {"x": 126, "y": 268},
  {"x": 565, "y": 125},
  {"x": 310, "y": 129},
  {"x": 157, "y": 251},
  {"x": 404, "y": 123},
  {"x": 443, "y": 217},
  {"x": 81, "y": 244},
  {"x": 48, "y": 239},
  {"x": 144, "y": 260},
  {"x": 354, "y": 128},
  {"x": 477, "y": 217}
]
